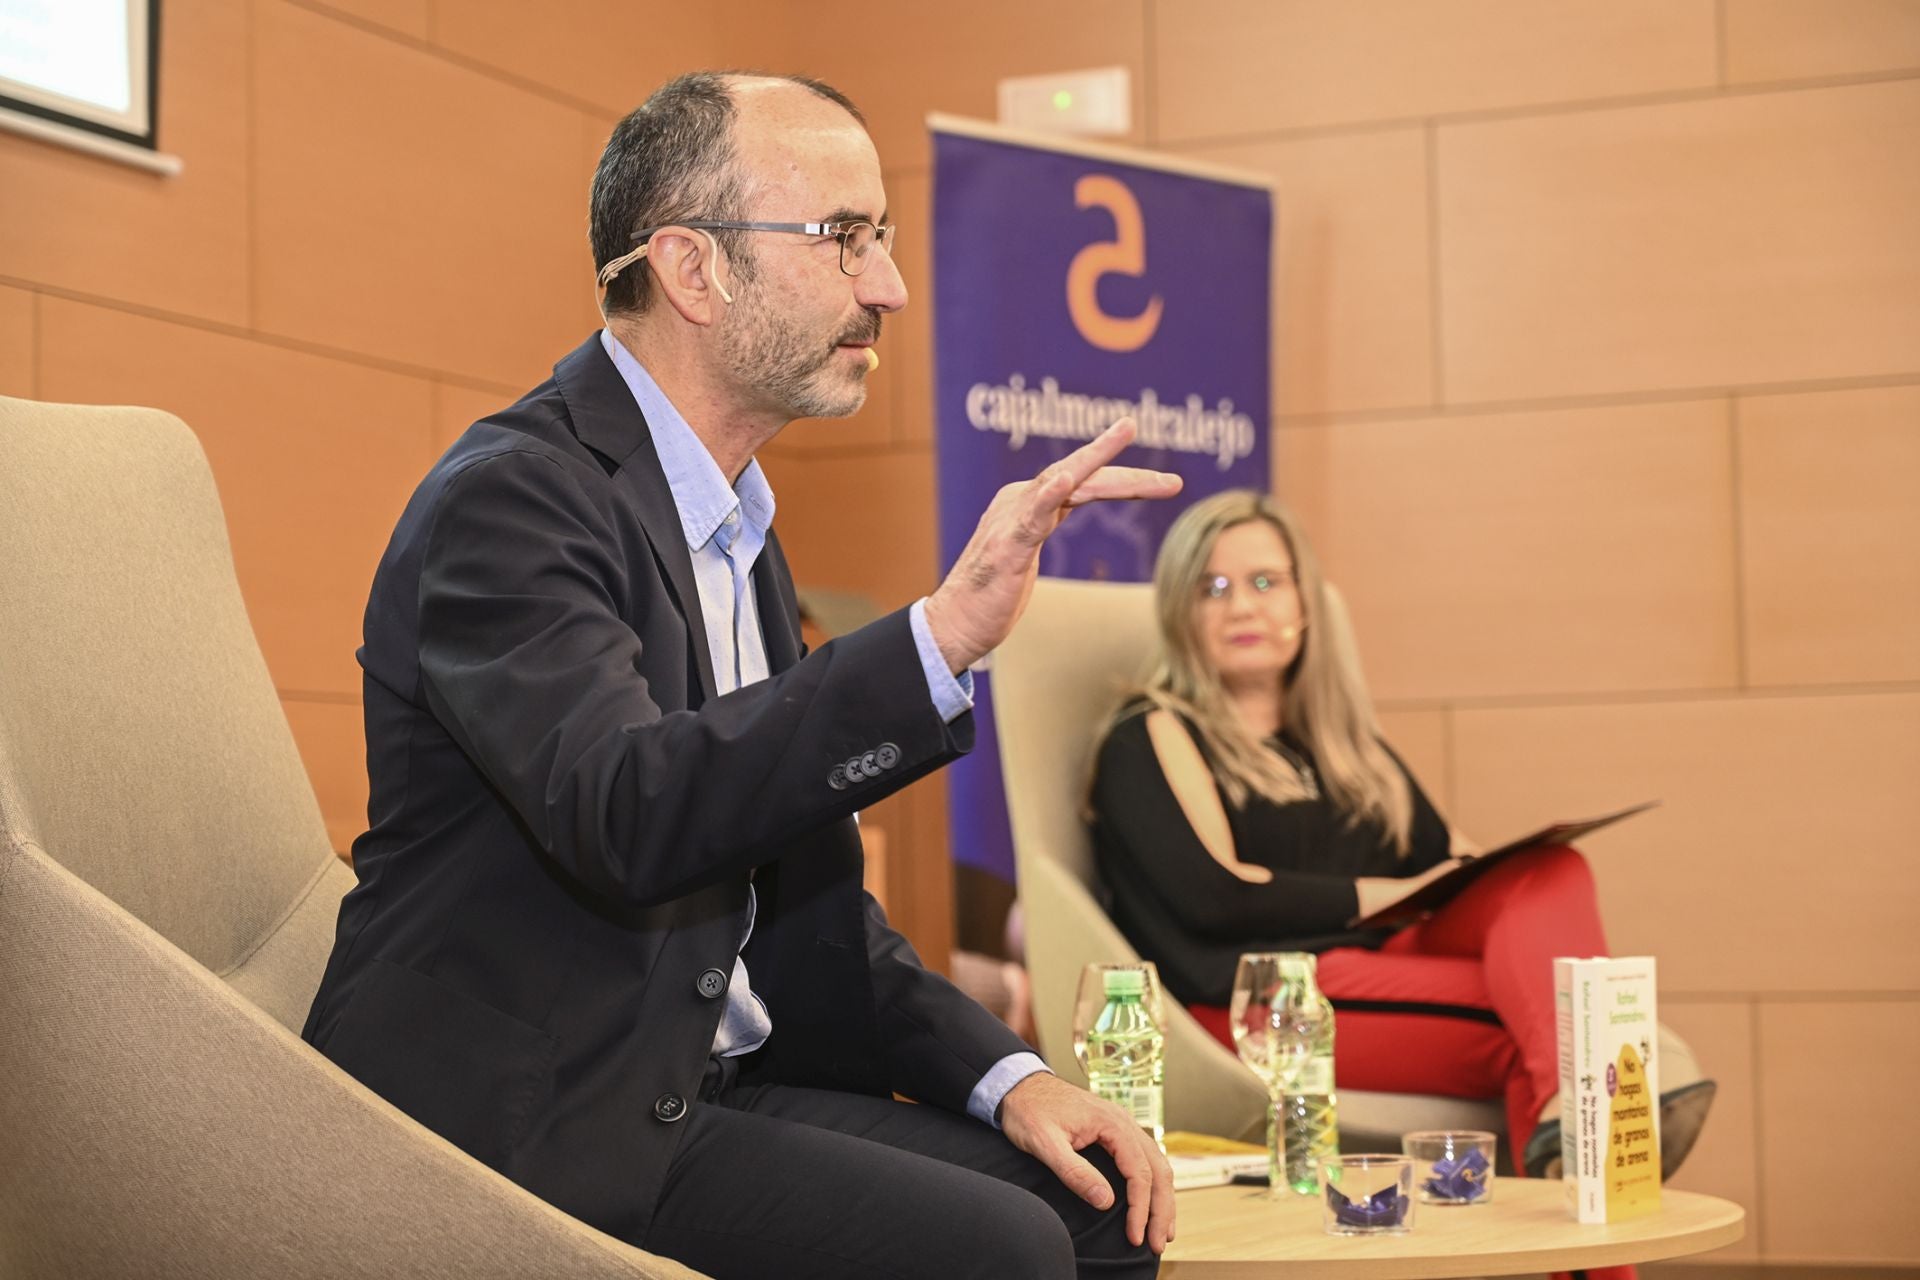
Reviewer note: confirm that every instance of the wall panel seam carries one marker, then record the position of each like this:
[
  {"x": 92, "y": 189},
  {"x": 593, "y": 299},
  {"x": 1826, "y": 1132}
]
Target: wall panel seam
[
  {"x": 37, "y": 357},
  {"x": 1573, "y": 106},
  {"x": 1437, "y": 335},
  {"x": 1642, "y": 697},
  {"x": 1812, "y": 995},
  {"x": 1759, "y": 1127},
  {"x": 1742, "y": 619},
  {"x": 263, "y": 337},
  {"x": 453, "y": 58},
  {"x": 1618, "y": 399}
]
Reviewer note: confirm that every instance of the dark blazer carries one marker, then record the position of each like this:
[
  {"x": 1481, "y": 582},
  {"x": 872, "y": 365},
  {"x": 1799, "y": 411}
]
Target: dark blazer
[{"x": 564, "y": 817}]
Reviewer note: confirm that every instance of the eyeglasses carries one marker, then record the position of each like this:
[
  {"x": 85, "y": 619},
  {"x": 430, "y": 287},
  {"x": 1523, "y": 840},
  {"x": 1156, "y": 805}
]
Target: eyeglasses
[
  {"x": 1219, "y": 588},
  {"x": 856, "y": 238}
]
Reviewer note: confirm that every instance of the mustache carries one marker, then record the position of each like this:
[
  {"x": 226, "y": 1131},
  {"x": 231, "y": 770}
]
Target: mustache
[{"x": 865, "y": 330}]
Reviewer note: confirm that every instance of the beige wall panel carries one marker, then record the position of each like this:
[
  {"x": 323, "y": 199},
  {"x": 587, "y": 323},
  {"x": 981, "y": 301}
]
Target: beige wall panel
[
  {"x": 414, "y": 210},
  {"x": 1353, "y": 315},
  {"x": 1527, "y": 553},
  {"x": 861, "y": 523},
  {"x": 908, "y": 348},
  {"x": 1786, "y": 823},
  {"x": 909, "y": 59},
  {"x": 332, "y": 740},
  {"x": 607, "y": 52},
  {"x": 1246, "y": 66},
  {"x": 1743, "y": 240},
  {"x": 1838, "y": 1108},
  {"x": 1830, "y": 536},
  {"x": 1793, "y": 39},
  {"x": 84, "y": 223},
  {"x": 456, "y": 408},
  {"x": 408, "y": 17},
  {"x": 1723, "y": 1162},
  {"x": 17, "y": 344},
  {"x": 1420, "y": 739},
  {"x": 314, "y": 459}
]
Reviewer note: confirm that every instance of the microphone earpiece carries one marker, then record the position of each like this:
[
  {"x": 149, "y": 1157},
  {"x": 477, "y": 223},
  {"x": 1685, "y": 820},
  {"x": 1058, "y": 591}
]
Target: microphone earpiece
[
  {"x": 713, "y": 272},
  {"x": 873, "y": 359}
]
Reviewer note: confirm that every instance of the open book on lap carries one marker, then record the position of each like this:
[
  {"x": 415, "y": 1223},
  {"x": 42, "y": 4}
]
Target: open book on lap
[{"x": 1443, "y": 888}]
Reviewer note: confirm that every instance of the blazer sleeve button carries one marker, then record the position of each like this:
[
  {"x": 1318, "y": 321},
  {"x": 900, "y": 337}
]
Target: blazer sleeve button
[
  {"x": 838, "y": 778},
  {"x": 711, "y": 984},
  {"x": 669, "y": 1107},
  {"x": 887, "y": 755}
]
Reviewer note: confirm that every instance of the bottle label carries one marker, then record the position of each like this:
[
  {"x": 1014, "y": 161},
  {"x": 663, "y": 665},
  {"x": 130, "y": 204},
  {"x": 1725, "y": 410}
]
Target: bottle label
[
  {"x": 1316, "y": 1076},
  {"x": 1146, "y": 1103}
]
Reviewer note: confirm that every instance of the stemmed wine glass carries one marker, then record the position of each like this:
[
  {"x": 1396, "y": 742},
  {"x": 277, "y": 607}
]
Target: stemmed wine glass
[{"x": 1278, "y": 1017}]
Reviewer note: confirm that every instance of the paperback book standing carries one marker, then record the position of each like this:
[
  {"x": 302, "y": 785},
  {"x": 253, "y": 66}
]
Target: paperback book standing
[{"x": 1609, "y": 1090}]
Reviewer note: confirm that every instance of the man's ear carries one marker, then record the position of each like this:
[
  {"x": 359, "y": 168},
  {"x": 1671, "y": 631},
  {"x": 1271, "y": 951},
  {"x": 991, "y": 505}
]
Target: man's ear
[{"x": 687, "y": 274}]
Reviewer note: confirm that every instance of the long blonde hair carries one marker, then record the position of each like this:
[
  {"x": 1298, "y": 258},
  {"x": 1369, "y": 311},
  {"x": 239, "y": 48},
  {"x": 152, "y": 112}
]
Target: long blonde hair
[{"x": 1324, "y": 700}]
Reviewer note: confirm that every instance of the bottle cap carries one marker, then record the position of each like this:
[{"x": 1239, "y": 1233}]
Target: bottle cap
[{"x": 1126, "y": 982}]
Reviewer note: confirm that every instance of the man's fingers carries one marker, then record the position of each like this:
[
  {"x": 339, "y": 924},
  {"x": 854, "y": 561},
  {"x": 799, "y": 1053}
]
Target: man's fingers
[
  {"x": 1148, "y": 1216},
  {"x": 1099, "y": 451},
  {"x": 1109, "y": 483},
  {"x": 1160, "y": 1222},
  {"x": 1081, "y": 1178}
]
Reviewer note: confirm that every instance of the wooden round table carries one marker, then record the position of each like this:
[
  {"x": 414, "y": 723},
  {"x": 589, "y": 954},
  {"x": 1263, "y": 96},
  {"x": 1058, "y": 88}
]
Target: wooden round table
[{"x": 1238, "y": 1233}]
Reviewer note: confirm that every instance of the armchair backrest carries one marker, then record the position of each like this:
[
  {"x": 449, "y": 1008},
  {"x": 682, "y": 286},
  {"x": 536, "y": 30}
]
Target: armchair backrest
[
  {"x": 1059, "y": 676},
  {"x": 142, "y": 742}
]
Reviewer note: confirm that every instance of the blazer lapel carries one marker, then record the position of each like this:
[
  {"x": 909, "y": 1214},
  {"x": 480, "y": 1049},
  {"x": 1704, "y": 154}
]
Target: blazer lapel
[
  {"x": 779, "y": 611},
  {"x": 606, "y": 420}
]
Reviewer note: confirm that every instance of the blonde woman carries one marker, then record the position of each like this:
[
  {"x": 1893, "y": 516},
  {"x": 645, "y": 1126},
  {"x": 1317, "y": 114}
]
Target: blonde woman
[{"x": 1244, "y": 801}]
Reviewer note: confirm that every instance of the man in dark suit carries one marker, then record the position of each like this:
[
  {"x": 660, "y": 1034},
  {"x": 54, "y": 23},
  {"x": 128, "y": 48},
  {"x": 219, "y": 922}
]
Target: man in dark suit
[{"x": 609, "y": 935}]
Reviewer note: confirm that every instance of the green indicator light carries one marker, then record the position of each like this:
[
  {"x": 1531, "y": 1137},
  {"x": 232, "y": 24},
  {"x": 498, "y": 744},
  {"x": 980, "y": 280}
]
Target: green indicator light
[{"x": 1062, "y": 100}]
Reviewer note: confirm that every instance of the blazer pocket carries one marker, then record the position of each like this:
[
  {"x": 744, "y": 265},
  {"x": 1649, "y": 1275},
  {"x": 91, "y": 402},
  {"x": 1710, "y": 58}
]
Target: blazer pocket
[{"x": 461, "y": 1067}]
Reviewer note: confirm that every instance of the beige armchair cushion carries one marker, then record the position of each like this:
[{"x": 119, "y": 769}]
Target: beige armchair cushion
[{"x": 167, "y": 904}]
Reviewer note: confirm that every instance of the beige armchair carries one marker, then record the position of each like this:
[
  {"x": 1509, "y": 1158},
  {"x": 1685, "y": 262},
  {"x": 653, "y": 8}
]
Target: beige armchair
[
  {"x": 1077, "y": 649},
  {"x": 167, "y": 901}
]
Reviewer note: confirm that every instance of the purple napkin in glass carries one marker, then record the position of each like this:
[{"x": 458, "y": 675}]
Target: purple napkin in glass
[
  {"x": 1463, "y": 1178},
  {"x": 1384, "y": 1208}
]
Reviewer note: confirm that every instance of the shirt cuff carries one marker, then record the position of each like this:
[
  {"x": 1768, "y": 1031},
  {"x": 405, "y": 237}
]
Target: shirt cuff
[
  {"x": 952, "y": 695},
  {"x": 984, "y": 1103}
]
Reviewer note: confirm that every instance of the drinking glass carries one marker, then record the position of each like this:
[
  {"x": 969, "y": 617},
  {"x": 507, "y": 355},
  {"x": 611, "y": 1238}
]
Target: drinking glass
[
  {"x": 1366, "y": 1195},
  {"x": 1277, "y": 1020}
]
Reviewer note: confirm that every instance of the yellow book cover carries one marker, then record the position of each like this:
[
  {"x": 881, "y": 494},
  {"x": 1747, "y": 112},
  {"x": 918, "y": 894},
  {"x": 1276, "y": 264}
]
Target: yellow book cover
[{"x": 1609, "y": 1092}]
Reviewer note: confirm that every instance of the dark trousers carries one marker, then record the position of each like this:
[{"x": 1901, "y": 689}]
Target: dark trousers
[{"x": 772, "y": 1180}]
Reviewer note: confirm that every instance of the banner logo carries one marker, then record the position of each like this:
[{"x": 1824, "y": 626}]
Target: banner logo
[{"x": 1124, "y": 255}]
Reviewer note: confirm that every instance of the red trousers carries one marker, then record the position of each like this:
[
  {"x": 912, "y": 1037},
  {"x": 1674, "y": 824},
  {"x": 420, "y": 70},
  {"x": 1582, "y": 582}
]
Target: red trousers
[{"x": 1461, "y": 1004}]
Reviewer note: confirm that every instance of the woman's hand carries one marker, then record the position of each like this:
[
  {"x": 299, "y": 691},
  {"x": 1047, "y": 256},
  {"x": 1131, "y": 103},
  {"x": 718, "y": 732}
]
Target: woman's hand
[{"x": 1379, "y": 892}]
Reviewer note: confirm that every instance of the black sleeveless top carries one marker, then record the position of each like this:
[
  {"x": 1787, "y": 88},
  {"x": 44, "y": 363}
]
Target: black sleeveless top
[{"x": 1191, "y": 916}]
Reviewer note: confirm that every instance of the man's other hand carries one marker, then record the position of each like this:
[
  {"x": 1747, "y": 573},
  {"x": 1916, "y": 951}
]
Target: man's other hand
[
  {"x": 973, "y": 610},
  {"x": 1052, "y": 1120}
]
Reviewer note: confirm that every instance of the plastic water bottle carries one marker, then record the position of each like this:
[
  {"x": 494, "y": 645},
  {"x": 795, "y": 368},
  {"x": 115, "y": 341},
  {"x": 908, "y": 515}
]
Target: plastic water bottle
[
  {"x": 1309, "y": 1111},
  {"x": 1125, "y": 1053}
]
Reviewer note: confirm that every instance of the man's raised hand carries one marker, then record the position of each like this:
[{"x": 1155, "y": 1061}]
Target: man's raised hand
[{"x": 972, "y": 611}]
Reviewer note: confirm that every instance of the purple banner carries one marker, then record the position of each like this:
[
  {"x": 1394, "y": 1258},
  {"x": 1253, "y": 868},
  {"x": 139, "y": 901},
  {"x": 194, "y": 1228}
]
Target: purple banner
[{"x": 1071, "y": 289}]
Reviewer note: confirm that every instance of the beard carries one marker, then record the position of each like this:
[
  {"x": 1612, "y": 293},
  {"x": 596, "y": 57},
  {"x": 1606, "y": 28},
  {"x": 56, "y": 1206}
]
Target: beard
[{"x": 790, "y": 368}]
